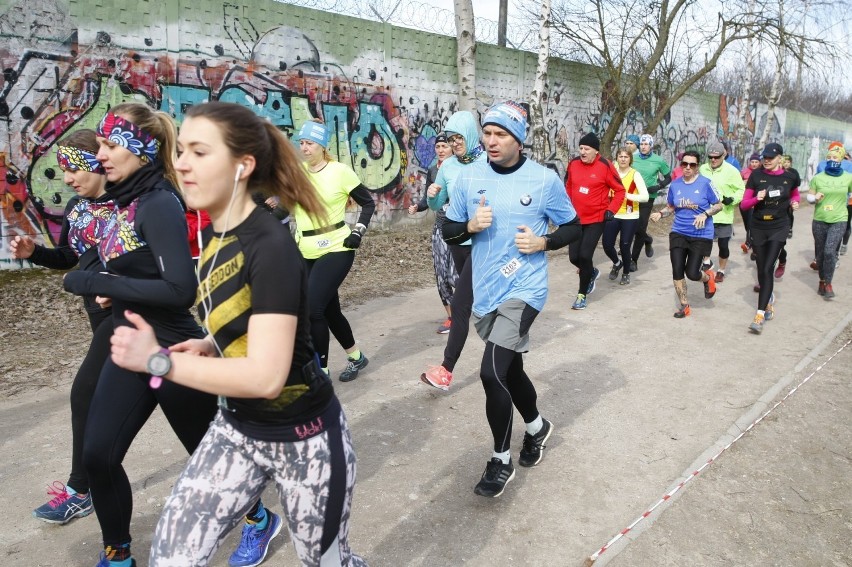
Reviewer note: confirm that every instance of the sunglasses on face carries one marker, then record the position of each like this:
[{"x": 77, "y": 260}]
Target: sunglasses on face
[
  {"x": 689, "y": 164},
  {"x": 715, "y": 157}
]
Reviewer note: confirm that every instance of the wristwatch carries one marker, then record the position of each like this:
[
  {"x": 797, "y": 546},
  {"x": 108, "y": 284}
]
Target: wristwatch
[{"x": 159, "y": 363}]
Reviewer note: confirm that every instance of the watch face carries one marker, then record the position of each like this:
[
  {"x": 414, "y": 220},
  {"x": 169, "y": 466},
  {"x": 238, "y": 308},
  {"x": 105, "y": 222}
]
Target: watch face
[{"x": 159, "y": 364}]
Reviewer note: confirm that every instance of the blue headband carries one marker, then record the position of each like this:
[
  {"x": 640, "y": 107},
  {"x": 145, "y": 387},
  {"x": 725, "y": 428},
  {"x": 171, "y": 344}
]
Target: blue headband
[{"x": 315, "y": 132}]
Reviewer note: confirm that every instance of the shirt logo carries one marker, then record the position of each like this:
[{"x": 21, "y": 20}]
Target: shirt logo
[{"x": 526, "y": 199}]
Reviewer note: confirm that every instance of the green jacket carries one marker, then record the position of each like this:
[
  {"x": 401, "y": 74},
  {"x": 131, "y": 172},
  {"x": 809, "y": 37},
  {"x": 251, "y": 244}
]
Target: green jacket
[
  {"x": 651, "y": 168},
  {"x": 728, "y": 183}
]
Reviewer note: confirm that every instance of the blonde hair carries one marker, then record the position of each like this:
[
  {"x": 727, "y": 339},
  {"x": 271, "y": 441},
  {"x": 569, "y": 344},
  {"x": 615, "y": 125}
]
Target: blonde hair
[
  {"x": 623, "y": 149},
  {"x": 161, "y": 126}
]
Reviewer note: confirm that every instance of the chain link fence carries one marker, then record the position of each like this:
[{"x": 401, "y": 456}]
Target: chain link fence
[{"x": 423, "y": 17}]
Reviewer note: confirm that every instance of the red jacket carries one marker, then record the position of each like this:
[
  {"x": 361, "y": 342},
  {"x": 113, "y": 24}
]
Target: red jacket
[
  {"x": 195, "y": 223},
  {"x": 589, "y": 187}
]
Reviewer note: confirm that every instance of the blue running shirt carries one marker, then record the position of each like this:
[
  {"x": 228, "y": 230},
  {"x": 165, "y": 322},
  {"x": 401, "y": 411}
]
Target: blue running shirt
[
  {"x": 690, "y": 200},
  {"x": 531, "y": 196}
]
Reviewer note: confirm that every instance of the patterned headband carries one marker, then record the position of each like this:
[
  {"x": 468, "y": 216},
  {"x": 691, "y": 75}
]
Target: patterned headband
[
  {"x": 129, "y": 136},
  {"x": 75, "y": 159}
]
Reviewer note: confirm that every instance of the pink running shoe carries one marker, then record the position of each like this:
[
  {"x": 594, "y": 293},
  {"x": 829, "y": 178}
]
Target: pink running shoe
[{"x": 437, "y": 377}]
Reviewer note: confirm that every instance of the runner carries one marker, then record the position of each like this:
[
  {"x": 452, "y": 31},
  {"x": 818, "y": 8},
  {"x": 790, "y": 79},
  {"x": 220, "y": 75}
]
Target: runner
[
  {"x": 694, "y": 201},
  {"x": 753, "y": 163},
  {"x": 769, "y": 192},
  {"x": 442, "y": 260},
  {"x": 330, "y": 249},
  {"x": 830, "y": 192},
  {"x": 626, "y": 218},
  {"x": 279, "y": 419},
  {"x": 464, "y": 140},
  {"x": 657, "y": 174},
  {"x": 596, "y": 193},
  {"x": 729, "y": 184},
  {"x": 85, "y": 218},
  {"x": 504, "y": 206},
  {"x": 145, "y": 251}
]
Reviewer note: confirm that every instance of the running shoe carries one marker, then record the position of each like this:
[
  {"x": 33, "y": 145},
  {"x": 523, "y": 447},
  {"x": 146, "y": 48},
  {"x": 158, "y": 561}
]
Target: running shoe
[
  {"x": 63, "y": 505},
  {"x": 720, "y": 277},
  {"x": 769, "y": 314},
  {"x": 596, "y": 273},
  {"x": 580, "y": 303},
  {"x": 445, "y": 326},
  {"x": 756, "y": 288},
  {"x": 756, "y": 326},
  {"x": 829, "y": 292},
  {"x": 254, "y": 543},
  {"x": 843, "y": 249},
  {"x": 437, "y": 377},
  {"x": 821, "y": 288},
  {"x": 814, "y": 266},
  {"x": 104, "y": 562},
  {"x": 625, "y": 279},
  {"x": 633, "y": 266},
  {"x": 710, "y": 285},
  {"x": 532, "y": 450},
  {"x": 708, "y": 265},
  {"x": 613, "y": 273},
  {"x": 684, "y": 311},
  {"x": 649, "y": 248},
  {"x": 353, "y": 367},
  {"x": 779, "y": 271},
  {"x": 495, "y": 478},
  {"x": 753, "y": 256},
  {"x": 744, "y": 247}
]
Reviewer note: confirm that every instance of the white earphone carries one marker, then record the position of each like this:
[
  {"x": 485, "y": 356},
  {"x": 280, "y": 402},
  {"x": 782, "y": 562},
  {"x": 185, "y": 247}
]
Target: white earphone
[{"x": 240, "y": 169}]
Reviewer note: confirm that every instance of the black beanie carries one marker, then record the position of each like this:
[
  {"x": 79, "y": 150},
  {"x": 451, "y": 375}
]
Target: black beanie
[{"x": 591, "y": 140}]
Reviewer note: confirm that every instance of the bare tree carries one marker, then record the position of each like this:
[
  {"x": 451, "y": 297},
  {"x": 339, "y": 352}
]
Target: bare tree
[
  {"x": 502, "y": 19},
  {"x": 646, "y": 54},
  {"x": 466, "y": 54},
  {"x": 539, "y": 136}
]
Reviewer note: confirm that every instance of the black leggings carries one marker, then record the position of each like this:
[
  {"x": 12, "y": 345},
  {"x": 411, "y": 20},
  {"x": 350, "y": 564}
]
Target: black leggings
[
  {"x": 325, "y": 275},
  {"x": 686, "y": 262},
  {"x": 582, "y": 252},
  {"x": 767, "y": 254},
  {"x": 627, "y": 228},
  {"x": 724, "y": 247},
  {"x": 642, "y": 235},
  {"x": 122, "y": 404},
  {"x": 460, "y": 306},
  {"x": 746, "y": 214},
  {"x": 506, "y": 385},
  {"x": 82, "y": 392}
]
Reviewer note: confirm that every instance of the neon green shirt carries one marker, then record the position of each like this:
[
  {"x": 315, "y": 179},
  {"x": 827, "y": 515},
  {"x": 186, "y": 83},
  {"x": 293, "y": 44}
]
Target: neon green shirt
[
  {"x": 333, "y": 183},
  {"x": 832, "y": 207},
  {"x": 729, "y": 183}
]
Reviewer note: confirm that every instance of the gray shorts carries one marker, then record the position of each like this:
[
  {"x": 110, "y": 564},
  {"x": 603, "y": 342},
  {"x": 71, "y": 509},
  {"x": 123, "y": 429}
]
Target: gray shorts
[
  {"x": 723, "y": 230},
  {"x": 508, "y": 326}
]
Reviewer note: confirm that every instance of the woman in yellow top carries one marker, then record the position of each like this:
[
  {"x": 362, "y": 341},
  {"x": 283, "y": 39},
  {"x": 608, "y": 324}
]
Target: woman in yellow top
[
  {"x": 626, "y": 220},
  {"x": 329, "y": 250}
]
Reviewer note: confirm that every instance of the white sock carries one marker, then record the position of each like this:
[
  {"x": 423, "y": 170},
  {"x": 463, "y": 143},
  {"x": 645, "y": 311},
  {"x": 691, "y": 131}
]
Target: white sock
[
  {"x": 535, "y": 425},
  {"x": 504, "y": 457}
]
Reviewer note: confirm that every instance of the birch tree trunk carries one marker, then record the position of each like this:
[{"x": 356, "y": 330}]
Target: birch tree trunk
[
  {"x": 774, "y": 93},
  {"x": 466, "y": 55},
  {"x": 537, "y": 131},
  {"x": 746, "y": 140}
]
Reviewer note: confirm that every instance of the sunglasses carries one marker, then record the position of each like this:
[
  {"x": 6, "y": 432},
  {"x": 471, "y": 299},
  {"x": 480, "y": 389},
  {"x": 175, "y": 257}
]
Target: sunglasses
[
  {"x": 455, "y": 139},
  {"x": 714, "y": 157},
  {"x": 689, "y": 164}
]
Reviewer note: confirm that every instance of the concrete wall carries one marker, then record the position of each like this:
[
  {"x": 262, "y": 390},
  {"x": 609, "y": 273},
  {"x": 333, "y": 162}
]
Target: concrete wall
[{"x": 387, "y": 91}]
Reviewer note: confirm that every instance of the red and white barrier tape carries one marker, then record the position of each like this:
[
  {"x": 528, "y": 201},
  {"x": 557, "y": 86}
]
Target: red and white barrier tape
[{"x": 592, "y": 558}]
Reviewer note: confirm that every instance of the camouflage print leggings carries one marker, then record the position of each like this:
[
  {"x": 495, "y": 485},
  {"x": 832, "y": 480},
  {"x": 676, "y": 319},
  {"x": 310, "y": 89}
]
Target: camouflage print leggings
[{"x": 227, "y": 474}]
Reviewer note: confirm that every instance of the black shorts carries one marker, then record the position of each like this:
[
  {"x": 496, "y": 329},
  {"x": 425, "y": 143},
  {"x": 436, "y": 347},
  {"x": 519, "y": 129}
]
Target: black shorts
[{"x": 703, "y": 246}]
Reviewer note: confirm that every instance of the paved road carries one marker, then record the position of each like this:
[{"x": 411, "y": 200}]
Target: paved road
[{"x": 637, "y": 398}]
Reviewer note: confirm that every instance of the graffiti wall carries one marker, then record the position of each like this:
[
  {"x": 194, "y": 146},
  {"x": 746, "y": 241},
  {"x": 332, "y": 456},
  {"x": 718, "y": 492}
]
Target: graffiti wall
[{"x": 385, "y": 91}]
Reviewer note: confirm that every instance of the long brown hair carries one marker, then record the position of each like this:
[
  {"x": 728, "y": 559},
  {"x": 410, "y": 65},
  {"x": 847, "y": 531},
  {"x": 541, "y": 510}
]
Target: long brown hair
[
  {"x": 84, "y": 139},
  {"x": 158, "y": 124},
  {"x": 278, "y": 171}
]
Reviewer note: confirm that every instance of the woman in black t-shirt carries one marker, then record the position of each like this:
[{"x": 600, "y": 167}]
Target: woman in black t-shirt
[{"x": 279, "y": 419}]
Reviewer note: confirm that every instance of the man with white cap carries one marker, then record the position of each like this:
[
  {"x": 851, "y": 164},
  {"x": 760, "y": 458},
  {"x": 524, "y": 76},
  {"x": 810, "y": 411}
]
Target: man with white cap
[
  {"x": 657, "y": 174},
  {"x": 504, "y": 206}
]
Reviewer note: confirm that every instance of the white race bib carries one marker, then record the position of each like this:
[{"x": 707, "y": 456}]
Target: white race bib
[
  {"x": 775, "y": 193},
  {"x": 324, "y": 243},
  {"x": 584, "y": 190},
  {"x": 509, "y": 269}
]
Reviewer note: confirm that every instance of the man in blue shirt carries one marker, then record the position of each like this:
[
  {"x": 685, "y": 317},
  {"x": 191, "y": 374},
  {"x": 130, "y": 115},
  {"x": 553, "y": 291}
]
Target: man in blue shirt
[{"x": 504, "y": 207}]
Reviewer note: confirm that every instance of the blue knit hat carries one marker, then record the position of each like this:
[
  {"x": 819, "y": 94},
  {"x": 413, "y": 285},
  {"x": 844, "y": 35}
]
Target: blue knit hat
[
  {"x": 633, "y": 138},
  {"x": 315, "y": 132},
  {"x": 510, "y": 116}
]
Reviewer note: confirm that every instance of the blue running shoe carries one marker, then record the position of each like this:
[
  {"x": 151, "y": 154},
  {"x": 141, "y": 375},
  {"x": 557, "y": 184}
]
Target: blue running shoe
[
  {"x": 63, "y": 506},
  {"x": 580, "y": 303},
  {"x": 596, "y": 273},
  {"x": 352, "y": 368},
  {"x": 254, "y": 543},
  {"x": 104, "y": 561}
]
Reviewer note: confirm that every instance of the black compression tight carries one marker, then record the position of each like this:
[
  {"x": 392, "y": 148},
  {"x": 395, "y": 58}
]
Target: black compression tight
[
  {"x": 122, "y": 404},
  {"x": 460, "y": 306},
  {"x": 582, "y": 252},
  {"x": 686, "y": 262},
  {"x": 724, "y": 247},
  {"x": 642, "y": 236},
  {"x": 506, "y": 385},
  {"x": 767, "y": 254},
  {"x": 325, "y": 275},
  {"x": 82, "y": 392}
]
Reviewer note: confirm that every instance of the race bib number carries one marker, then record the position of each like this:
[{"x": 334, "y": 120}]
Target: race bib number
[
  {"x": 508, "y": 269},
  {"x": 584, "y": 190},
  {"x": 774, "y": 193},
  {"x": 629, "y": 208},
  {"x": 324, "y": 243},
  {"x": 828, "y": 208}
]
